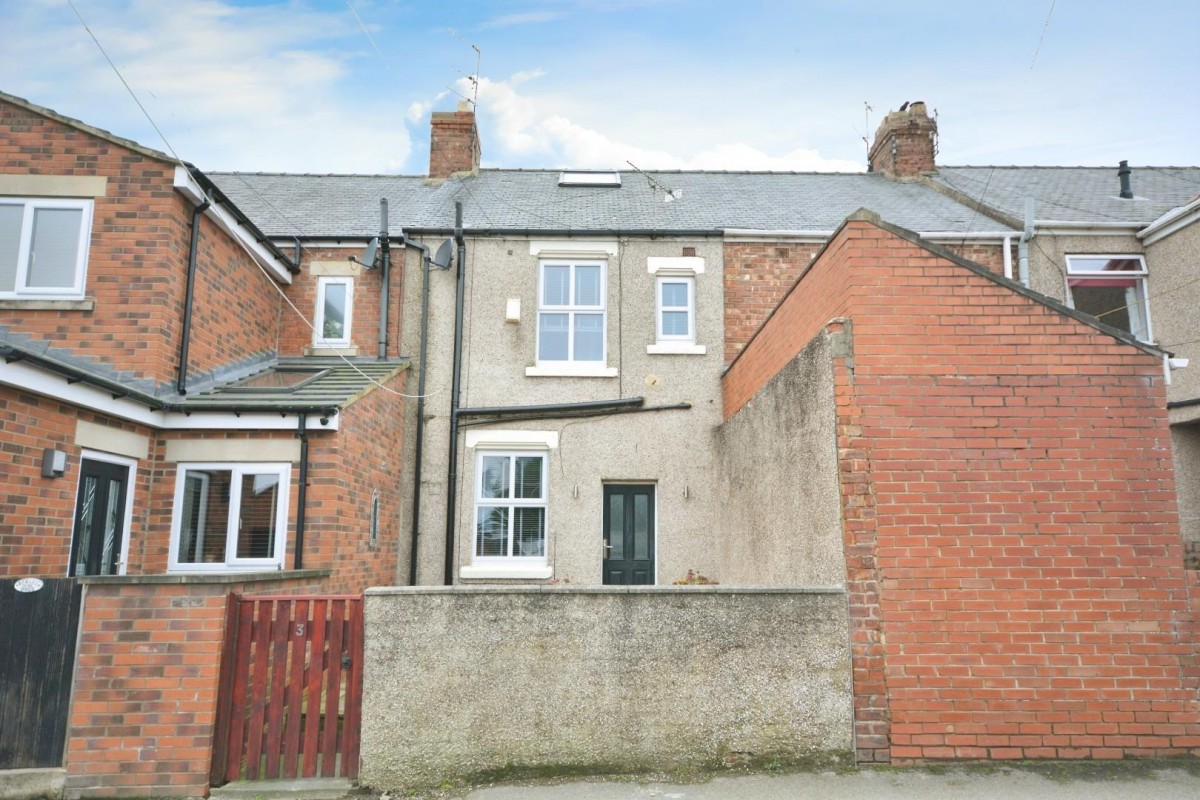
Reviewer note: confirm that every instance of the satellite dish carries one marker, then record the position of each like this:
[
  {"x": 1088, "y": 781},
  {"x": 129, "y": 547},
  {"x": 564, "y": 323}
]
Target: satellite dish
[
  {"x": 368, "y": 256},
  {"x": 441, "y": 259}
]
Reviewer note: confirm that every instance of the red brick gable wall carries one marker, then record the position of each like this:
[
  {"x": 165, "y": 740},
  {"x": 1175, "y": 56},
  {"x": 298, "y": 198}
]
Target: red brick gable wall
[
  {"x": 137, "y": 262},
  {"x": 1013, "y": 548}
]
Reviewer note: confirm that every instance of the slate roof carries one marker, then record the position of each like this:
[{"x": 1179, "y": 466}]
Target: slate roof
[
  {"x": 334, "y": 206},
  {"x": 1076, "y": 194}
]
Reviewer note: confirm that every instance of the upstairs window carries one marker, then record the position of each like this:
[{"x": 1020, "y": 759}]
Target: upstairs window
[
  {"x": 571, "y": 314},
  {"x": 43, "y": 247},
  {"x": 676, "y": 312},
  {"x": 1112, "y": 289},
  {"x": 335, "y": 308}
]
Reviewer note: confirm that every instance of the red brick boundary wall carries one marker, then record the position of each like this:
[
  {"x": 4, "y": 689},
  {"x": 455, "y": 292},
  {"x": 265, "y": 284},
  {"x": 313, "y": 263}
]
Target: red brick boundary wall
[
  {"x": 145, "y": 694},
  {"x": 1013, "y": 549}
]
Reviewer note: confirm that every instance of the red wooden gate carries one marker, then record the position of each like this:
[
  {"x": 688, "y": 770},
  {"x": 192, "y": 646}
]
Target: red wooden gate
[{"x": 290, "y": 697}]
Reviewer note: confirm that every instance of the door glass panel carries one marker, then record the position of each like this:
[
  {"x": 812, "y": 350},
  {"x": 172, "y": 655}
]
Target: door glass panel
[
  {"x": 112, "y": 529},
  {"x": 87, "y": 515},
  {"x": 616, "y": 525},
  {"x": 641, "y": 526}
]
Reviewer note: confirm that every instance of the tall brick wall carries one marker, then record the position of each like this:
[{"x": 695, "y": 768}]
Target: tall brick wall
[
  {"x": 1009, "y": 508},
  {"x": 144, "y": 702}
]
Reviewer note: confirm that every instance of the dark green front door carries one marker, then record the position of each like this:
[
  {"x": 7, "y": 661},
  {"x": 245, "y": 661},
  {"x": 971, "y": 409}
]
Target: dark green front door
[
  {"x": 99, "y": 518},
  {"x": 629, "y": 534}
]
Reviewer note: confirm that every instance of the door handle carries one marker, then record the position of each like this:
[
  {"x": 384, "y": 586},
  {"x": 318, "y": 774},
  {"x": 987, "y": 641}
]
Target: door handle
[{"x": 607, "y": 549}]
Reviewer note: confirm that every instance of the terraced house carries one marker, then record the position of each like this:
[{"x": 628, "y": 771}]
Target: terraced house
[{"x": 944, "y": 414}]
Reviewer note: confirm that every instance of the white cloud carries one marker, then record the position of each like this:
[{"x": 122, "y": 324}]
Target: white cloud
[
  {"x": 524, "y": 127},
  {"x": 526, "y": 18},
  {"x": 254, "y": 88}
]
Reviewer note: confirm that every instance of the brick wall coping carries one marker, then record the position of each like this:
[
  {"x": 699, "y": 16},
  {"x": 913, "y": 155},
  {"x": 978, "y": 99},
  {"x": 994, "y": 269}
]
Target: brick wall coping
[
  {"x": 198, "y": 578},
  {"x": 389, "y": 591}
]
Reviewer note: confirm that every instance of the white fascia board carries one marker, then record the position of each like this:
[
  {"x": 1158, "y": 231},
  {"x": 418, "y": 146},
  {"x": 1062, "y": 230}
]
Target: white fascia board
[
  {"x": 188, "y": 187},
  {"x": 1067, "y": 228},
  {"x": 48, "y": 384},
  {"x": 1174, "y": 220}
]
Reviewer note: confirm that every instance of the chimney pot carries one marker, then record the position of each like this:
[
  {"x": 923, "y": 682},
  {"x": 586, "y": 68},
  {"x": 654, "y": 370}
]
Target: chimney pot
[{"x": 1123, "y": 172}]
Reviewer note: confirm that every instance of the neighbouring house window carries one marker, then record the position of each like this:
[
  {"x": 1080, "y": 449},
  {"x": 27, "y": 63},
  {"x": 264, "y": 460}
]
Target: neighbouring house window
[
  {"x": 571, "y": 316},
  {"x": 43, "y": 247},
  {"x": 676, "y": 309},
  {"x": 230, "y": 516},
  {"x": 510, "y": 508},
  {"x": 1112, "y": 289},
  {"x": 335, "y": 298}
]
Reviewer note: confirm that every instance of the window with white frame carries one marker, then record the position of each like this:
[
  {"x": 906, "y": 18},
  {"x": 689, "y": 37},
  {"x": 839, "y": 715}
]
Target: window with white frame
[
  {"x": 43, "y": 247},
  {"x": 230, "y": 516},
  {"x": 571, "y": 315},
  {"x": 1111, "y": 288},
  {"x": 510, "y": 508},
  {"x": 335, "y": 307},
  {"x": 676, "y": 309}
]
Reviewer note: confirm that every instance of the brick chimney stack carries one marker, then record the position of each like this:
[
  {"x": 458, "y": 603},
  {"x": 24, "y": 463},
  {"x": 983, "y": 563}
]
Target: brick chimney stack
[
  {"x": 453, "y": 142},
  {"x": 905, "y": 142}
]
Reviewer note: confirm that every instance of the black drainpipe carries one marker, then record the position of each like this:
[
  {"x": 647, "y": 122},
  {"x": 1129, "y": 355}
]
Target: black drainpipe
[
  {"x": 302, "y": 500},
  {"x": 185, "y": 340},
  {"x": 418, "y": 448},
  {"x": 452, "y": 472},
  {"x": 384, "y": 299}
]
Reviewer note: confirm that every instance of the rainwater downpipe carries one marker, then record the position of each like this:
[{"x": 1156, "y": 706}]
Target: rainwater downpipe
[
  {"x": 1008, "y": 265},
  {"x": 452, "y": 471},
  {"x": 1023, "y": 244},
  {"x": 385, "y": 278},
  {"x": 418, "y": 448},
  {"x": 302, "y": 499},
  {"x": 185, "y": 340}
]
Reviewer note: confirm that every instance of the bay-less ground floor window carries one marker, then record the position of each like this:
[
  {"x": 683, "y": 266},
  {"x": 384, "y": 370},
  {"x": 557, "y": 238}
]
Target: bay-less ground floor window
[
  {"x": 230, "y": 516},
  {"x": 510, "y": 508}
]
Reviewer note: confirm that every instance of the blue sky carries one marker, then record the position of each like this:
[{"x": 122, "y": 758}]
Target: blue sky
[{"x": 299, "y": 86}]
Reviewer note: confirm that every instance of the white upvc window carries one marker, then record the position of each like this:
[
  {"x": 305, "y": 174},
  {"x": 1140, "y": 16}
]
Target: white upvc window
[
  {"x": 1111, "y": 288},
  {"x": 229, "y": 517},
  {"x": 43, "y": 247},
  {"x": 675, "y": 309},
  {"x": 572, "y": 328},
  {"x": 510, "y": 509},
  {"x": 335, "y": 311}
]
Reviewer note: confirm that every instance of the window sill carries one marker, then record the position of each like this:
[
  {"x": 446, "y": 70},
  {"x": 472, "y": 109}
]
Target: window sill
[
  {"x": 676, "y": 349},
  {"x": 568, "y": 370},
  {"x": 500, "y": 572},
  {"x": 22, "y": 304}
]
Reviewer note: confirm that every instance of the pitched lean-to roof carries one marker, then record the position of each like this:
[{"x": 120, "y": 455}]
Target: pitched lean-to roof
[
  {"x": 337, "y": 385},
  {"x": 1086, "y": 195},
  {"x": 335, "y": 206}
]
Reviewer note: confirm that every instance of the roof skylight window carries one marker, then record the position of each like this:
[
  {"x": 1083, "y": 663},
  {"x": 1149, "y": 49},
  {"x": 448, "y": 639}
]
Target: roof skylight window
[{"x": 589, "y": 177}]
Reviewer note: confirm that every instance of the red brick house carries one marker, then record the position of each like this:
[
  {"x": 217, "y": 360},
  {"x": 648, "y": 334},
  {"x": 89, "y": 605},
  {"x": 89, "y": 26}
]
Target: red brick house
[{"x": 174, "y": 427}]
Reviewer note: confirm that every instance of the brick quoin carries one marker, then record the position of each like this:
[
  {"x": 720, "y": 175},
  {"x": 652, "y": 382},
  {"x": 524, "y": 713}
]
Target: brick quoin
[{"x": 1014, "y": 559}]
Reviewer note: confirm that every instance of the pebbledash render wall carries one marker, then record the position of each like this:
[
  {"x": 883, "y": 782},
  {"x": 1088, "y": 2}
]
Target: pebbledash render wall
[
  {"x": 1014, "y": 561},
  {"x": 564, "y": 680}
]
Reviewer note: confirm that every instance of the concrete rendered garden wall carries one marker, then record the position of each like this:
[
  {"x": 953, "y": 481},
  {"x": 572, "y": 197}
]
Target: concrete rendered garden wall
[{"x": 467, "y": 682}]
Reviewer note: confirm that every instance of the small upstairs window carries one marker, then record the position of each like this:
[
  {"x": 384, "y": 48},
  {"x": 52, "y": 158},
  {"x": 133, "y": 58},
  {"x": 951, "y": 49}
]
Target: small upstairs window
[
  {"x": 335, "y": 311},
  {"x": 43, "y": 247},
  {"x": 1112, "y": 288}
]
